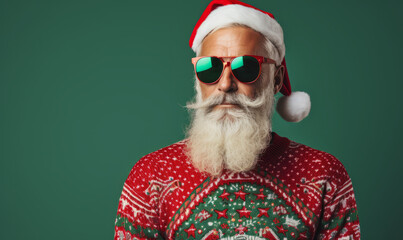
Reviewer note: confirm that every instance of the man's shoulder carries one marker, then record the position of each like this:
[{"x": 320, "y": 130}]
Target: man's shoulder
[
  {"x": 305, "y": 155},
  {"x": 164, "y": 156},
  {"x": 299, "y": 162}
]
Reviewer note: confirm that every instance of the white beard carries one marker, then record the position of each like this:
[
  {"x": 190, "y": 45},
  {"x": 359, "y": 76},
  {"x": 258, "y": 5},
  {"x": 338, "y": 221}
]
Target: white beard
[{"x": 230, "y": 138}]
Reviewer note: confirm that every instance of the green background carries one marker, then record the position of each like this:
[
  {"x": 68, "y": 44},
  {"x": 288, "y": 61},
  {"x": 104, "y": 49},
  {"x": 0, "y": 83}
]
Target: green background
[{"x": 88, "y": 87}]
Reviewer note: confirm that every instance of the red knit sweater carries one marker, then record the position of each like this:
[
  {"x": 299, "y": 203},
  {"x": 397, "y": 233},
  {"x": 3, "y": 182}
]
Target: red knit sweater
[{"x": 295, "y": 192}]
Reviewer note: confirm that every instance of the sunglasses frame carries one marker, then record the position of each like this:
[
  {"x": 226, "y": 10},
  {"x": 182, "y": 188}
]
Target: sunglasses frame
[{"x": 260, "y": 59}]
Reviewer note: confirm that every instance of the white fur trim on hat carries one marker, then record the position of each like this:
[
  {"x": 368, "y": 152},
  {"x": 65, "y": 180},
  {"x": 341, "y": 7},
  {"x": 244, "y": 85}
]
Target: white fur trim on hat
[
  {"x": 295, "y": 107},
  {"x": 226, "y": 15}
]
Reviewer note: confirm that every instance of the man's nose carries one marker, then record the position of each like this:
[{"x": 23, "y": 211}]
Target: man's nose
[{"x": 227, "y": 82}]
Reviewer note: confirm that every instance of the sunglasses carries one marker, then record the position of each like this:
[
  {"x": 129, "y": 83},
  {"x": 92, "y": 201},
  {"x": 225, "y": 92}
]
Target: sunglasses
[{"x": 246, "y": 69}]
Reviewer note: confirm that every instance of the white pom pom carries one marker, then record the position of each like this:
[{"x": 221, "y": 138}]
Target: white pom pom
[{"x": 295, "y": 107}]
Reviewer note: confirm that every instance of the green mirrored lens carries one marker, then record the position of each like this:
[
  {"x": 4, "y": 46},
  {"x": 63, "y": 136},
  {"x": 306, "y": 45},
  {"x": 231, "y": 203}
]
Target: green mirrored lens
[
  {"x": 209, "y": 69},
  {"x": 245, "y": 68}
]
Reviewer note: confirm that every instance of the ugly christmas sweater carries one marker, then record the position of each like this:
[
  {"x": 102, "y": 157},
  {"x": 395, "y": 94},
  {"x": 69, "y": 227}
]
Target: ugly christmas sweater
[{"x": 295, "y": 192}]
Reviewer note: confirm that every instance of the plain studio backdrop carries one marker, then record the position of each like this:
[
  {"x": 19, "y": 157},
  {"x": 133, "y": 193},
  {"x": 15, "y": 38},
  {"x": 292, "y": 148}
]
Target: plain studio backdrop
[{"x": 88, "y": 87}]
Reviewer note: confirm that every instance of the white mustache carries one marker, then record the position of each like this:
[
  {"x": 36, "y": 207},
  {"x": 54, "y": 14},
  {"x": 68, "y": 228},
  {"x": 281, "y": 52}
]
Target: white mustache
[{"x": 231, "y": 98}]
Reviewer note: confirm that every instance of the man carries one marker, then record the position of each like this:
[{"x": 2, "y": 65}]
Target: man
[{"x": 233, "y": 177}]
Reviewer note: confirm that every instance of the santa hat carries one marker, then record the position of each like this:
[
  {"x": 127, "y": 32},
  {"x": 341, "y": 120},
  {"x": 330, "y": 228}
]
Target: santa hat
[{"x": 293, "y": 106}]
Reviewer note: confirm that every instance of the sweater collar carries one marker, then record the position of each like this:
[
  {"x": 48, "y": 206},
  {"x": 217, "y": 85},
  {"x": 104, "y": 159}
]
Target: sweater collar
[{"x": 276, "y": 147}]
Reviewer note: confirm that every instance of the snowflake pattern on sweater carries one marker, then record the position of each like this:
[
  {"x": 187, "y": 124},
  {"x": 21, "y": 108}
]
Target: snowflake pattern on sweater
[{"x": 295, "y": 192}]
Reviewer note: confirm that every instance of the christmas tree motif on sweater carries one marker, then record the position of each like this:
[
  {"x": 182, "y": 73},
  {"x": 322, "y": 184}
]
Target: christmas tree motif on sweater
[
  {"x": 316, "y": 187},
  {"x": 158, "y": 189},
  {"x": 238, "y": 208}
]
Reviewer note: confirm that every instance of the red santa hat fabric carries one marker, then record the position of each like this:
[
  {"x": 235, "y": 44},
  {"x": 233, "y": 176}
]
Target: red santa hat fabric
[{"x": 293, "y": 106}]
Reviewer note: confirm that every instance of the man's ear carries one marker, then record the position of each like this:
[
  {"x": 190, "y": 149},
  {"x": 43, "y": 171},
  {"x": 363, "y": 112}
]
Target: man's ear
[{"x": 278, "y": 79}]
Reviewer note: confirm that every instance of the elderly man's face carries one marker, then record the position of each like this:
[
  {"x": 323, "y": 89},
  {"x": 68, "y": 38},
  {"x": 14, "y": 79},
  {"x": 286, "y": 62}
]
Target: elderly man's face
[
  {"x": 218, "y": 129},
  {"x": 232, "y": 41}
]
